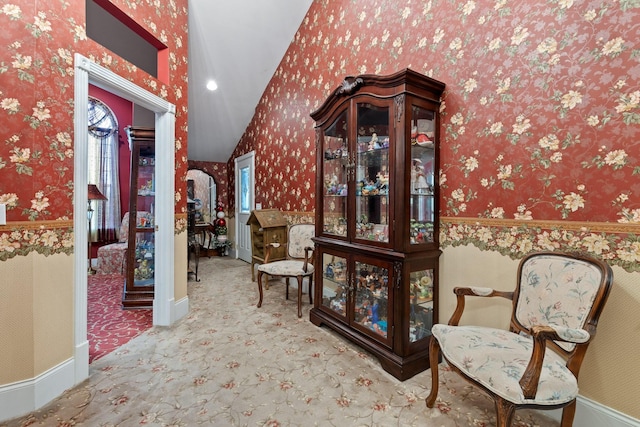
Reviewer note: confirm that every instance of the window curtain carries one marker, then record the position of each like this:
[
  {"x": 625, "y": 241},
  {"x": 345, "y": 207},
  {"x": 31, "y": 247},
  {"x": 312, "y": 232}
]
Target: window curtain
[{"x": 104, "y": 171}]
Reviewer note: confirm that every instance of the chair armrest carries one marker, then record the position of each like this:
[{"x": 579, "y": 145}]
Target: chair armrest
[
  {"x": 540, "y": 335},
  {"x": 475, "y": 291},
  {"x": 561, "y": 333},
  {"x": 268, "y": 252}
]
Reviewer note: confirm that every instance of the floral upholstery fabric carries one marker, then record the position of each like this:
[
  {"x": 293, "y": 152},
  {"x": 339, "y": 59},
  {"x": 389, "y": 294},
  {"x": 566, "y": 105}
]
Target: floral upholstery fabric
[
  {"x": 123, "y": 234},
  {"x": 557, "y": 291},
  {"x": 300, "y": 236},
  {"x": 286, "y": 268},
  {"x": 112, "y": 259},
  {"x": 497, "y": 359},
  {"x": 554, "y": 291}
]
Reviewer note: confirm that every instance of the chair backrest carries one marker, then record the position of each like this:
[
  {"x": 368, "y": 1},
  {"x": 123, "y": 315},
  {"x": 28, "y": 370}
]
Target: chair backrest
[
  {"x": 299, "y": 237},
  {"x": 124, "y": 228},
  {"x": 560, "y": 289},
  {"x": 124, "y": 225}
]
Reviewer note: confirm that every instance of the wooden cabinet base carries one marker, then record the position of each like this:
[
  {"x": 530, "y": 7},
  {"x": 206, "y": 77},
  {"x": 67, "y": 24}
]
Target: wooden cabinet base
[
  {"x": 137, "y": 299},
  {"x": 400, "y": 367}
]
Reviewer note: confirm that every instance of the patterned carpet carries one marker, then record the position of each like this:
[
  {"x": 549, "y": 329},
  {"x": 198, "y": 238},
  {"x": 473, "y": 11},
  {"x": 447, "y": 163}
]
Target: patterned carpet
[
  {"x": 108, "y": 325},
  {"x": 229, "y": 363}
]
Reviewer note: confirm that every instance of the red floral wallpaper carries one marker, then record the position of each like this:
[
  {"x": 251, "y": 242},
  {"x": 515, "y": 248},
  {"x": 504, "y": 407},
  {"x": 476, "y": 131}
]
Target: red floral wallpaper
[
  {"x": 38, "y": 42},
  {"x": 539, "y": 120}
]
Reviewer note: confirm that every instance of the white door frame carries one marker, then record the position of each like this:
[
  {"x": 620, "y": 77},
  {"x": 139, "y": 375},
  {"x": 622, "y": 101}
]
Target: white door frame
[
  {"x": 88, "y": 72},
  {"x": 250, "y": 159}
]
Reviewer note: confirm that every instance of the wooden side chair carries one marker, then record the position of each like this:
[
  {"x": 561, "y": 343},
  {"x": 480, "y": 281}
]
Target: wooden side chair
[
  {"x": 299, "y": 262},
  {"x": 556, "y": 305}
]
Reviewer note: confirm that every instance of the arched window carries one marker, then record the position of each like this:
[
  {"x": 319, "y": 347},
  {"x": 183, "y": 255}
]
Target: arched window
[{"x": 103, "y": 170}]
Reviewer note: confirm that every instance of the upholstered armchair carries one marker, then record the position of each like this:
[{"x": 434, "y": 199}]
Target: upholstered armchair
[
  {"x": 298, "y": 263},
  {"x": 555, "y": 309},
  {"x": 112, "y": 258}
]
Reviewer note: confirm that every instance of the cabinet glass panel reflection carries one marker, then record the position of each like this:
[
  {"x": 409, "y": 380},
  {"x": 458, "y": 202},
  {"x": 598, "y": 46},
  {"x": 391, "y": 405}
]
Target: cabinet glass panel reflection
[
  {"x": 336, "y": 174},
  {"x": 372, "y": 173},
  {"x": 334, "y": 283},
  {"x": 421, "y": 314},
  {"x": 371, "y": 297},
  {"x": 422, "y": 184}
]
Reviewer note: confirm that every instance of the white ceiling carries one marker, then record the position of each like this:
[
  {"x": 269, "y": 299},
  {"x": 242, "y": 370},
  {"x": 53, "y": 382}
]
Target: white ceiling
[{"x": 240, "y": 45}]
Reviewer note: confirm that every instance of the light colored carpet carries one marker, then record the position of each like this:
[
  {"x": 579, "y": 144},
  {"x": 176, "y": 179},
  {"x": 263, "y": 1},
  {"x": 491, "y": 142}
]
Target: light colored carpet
[{"x": 229, "y": 363}]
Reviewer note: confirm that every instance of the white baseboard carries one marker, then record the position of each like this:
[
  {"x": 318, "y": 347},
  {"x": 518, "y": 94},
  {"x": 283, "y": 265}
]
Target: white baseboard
[
  {"x": 82, "y": 361},
  {"x": 590, "y": 413},
  {"x": 26, "y": 396},
  {"x": 181, "y": 308}
]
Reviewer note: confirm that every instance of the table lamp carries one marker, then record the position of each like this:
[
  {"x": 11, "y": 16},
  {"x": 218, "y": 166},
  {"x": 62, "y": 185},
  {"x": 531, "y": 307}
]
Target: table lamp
[{"x": 94, "y": 194}]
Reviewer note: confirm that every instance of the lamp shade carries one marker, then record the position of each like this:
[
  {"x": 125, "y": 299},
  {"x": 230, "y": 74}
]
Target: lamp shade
[{"x": 95, "y": 194}]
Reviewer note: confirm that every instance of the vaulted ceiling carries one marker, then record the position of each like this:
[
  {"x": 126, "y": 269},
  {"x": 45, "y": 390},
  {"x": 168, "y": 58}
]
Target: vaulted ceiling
[{"x": 239, "y": 44}]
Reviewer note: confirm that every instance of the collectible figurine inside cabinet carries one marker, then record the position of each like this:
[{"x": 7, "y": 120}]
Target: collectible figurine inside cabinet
[
  {"x": 371, "y": 298},
  {"x": 421, "y": 314},
  {"x": 335, "y": 273},
  {"x": 419, "y": 182}
]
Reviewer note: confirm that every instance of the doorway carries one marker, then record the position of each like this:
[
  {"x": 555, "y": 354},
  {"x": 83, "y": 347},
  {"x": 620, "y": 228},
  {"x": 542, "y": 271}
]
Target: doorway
[
  {"x": 164, "y": 308},
  {"x": 245, "y": 199}
]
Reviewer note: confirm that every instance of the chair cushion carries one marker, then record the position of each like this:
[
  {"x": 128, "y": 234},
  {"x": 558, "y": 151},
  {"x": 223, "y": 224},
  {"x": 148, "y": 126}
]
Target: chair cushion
[
  {"x": 286, "y": 268},
  {"x": 497, "y": 359}
]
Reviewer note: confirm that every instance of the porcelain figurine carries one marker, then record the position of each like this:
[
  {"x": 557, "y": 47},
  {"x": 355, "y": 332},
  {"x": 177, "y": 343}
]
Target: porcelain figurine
[{"x": 373, "y": 144}]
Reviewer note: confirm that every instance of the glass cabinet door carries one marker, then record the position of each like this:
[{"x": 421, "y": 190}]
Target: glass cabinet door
[
  {"x": 335, "y": 176},
  {"x": 334, "y": 283},
  {"x": 421, "y": 304},
  {"x": 372, "y": 177},
  {"x": 144, "y": 260},
  {"x": 422, "y": 180},
  {"x": 144, "y": 265},
  {"x": 371, "y": 303}
]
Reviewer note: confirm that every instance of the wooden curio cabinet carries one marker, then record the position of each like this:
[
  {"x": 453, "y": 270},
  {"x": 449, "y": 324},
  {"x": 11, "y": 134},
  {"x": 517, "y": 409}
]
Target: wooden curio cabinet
[
  {"x": 139, "y": 280},
  {"x": 377, "y": 216}
]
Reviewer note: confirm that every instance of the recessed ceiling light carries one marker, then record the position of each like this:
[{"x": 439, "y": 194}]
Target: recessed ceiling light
[{"x": 212, "y": 85}]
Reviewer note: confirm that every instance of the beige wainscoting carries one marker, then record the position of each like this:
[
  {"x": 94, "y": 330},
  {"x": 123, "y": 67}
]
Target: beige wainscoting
[{"x": 36, "y": 314}]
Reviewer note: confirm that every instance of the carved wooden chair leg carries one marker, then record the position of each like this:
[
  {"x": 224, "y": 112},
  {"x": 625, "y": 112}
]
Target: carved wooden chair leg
[
  {"x": 311, "y": 289},
  {"x": 568, "y": 413},
  {"x": 286, "y": 280},
  {"x": 260, "y": 288},
  {"x": 299, "y": 295},
  {"x": 504, "y": 412},
  {"x": 197, "y": 259},
  {"x": 434, "y": 355}
]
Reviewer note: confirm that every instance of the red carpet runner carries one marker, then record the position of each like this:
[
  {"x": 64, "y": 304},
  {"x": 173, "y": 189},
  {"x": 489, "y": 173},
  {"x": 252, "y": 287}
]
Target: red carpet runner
[{"x": 108, "y": 325}]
